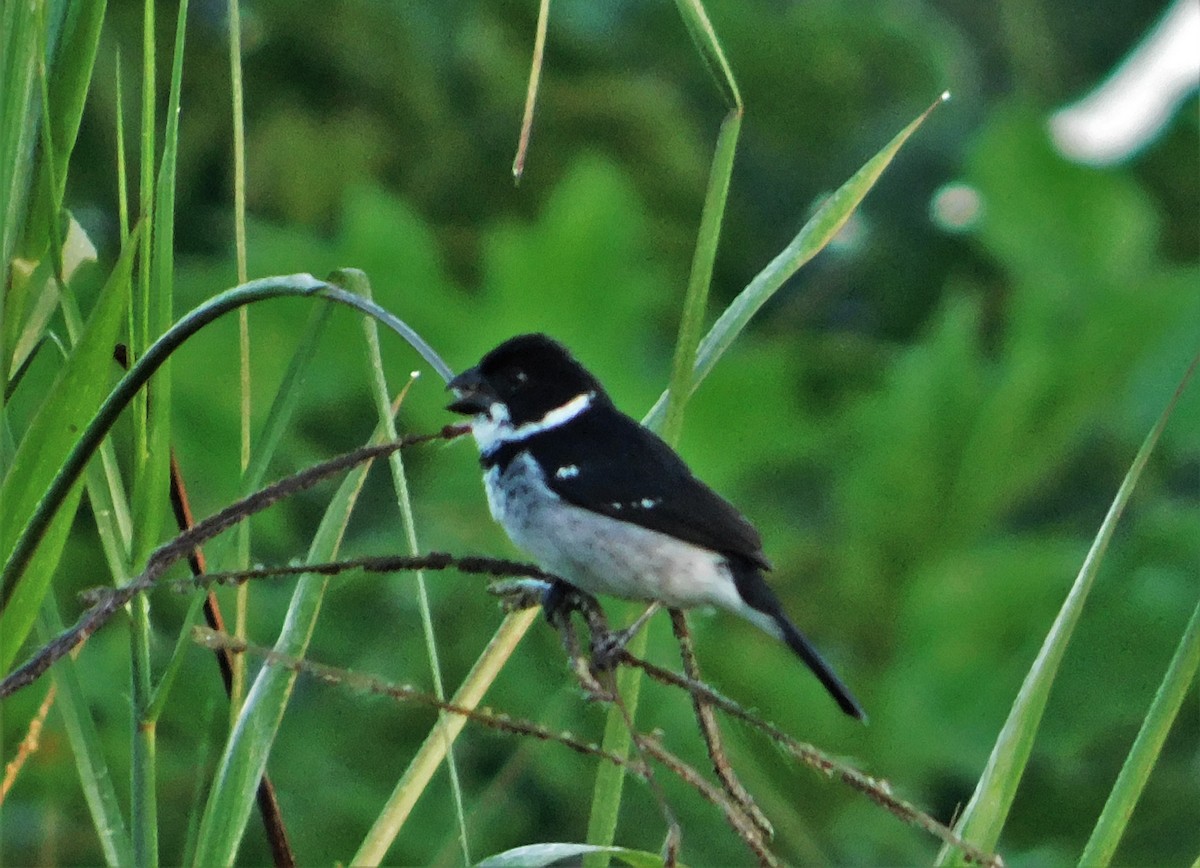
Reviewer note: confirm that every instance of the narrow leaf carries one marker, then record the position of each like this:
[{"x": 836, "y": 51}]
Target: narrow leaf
[
  {"x": 70, "y": 404},
  {"x": 811, "y": 239},
  {"x": 986, "y": 813}
]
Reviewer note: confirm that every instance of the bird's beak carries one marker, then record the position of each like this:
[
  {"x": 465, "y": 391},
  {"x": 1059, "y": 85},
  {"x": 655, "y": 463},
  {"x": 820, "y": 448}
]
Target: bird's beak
[{"x": 474, "y": 395}]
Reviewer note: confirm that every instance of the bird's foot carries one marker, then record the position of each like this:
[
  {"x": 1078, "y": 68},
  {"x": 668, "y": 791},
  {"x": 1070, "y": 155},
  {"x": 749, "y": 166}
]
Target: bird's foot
[
  {"x": 560, "y": 599},
  {"x": 609, "y": 645},
  {"x": 516, "y": 595}
]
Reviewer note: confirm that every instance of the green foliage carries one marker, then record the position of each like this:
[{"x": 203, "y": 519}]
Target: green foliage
[{"x": 927, "y": 428}]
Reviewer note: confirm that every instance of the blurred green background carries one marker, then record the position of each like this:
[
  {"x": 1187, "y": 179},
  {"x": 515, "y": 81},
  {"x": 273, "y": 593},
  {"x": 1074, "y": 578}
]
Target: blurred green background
[{"x": 927, "y": 424}]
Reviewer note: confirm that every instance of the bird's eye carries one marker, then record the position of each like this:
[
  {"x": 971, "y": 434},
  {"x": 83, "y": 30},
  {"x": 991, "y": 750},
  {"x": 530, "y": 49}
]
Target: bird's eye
[{"x": 519, "y": 376}]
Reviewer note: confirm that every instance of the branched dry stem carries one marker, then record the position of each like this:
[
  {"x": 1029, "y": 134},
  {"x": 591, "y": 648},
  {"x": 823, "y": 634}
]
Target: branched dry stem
[
  {"x": 168, "y": 554},
  {"x": 707, "y": 719},
  {"x": 732, "y": 799}
]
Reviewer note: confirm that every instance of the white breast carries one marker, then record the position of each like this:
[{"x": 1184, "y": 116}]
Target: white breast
[{"x": 602, "y": 555}]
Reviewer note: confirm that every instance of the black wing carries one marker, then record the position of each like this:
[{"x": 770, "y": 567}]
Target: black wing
[{"x": 606, "y": 462}]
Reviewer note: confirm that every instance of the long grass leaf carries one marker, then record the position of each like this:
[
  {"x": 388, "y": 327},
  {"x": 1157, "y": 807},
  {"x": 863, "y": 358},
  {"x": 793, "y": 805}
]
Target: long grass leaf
[
  {"x": 610, "y": 779},
  {"x": 355, "y": 281},
  {"x": 245, "y": 756},
  {"x": 987, "y": 811},
  {"x": 88, "y": 750},
  {"x": 1118, "y": 808},
  {"x": 809, "y": 241},
  {"x": 152, "y": 471},
  {"x": 71, "y": 402}
]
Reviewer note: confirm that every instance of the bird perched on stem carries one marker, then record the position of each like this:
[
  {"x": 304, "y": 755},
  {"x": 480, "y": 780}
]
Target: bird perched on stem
[{"x": 602, "y": 502}]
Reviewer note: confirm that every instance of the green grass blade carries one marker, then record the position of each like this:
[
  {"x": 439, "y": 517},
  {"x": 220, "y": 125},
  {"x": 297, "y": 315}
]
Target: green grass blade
[
  {"x": 610, "y": 779},
  {"x": 20, "y": 45},
  {"x": 355, "y": 281},
  {"x": 987, "y": 811},
  {"x": 433, "y": 750},
  {"x": 287, "y": 398},
  {"x": 706, "y": 42},
  {"x": 811, "y": 239},
  {"x": 94, "y": 776},
  {"x": 152, "y": 470},
  {"x": 73, "y": 400},
  {"x": 70, "y": 79},
  {"x": 1146, "y": 747},
  {"x": 696, "y": 301},
  {"x": 245, "y": 756}
]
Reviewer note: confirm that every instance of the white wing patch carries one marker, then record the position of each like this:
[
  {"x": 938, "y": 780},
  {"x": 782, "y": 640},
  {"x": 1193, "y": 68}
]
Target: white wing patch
[{"x": 567, "y": 471}]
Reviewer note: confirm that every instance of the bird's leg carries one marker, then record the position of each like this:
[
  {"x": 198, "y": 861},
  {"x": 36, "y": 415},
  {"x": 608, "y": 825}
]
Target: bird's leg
[
  {"x": 607, "y": 646},
  {"x": 558, "y": 602},
  {"x": 560, "y": 599}
]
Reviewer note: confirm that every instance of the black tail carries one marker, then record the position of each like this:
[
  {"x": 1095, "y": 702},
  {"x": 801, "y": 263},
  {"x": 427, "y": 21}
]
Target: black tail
[
  {"x": 758, "y": 594},
  {"x": 806, "y": 652}
]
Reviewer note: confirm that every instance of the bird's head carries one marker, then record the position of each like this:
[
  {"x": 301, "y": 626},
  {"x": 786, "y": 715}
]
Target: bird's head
[{"x": 529, "y": 380}]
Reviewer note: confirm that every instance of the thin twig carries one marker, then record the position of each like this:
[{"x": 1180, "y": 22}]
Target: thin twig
[
  {"x": 877, "y": 790},
  {"x": 181, "y": 546},
  {"x": 404, "y": 693},
  {"x": 707, "y": 719}
]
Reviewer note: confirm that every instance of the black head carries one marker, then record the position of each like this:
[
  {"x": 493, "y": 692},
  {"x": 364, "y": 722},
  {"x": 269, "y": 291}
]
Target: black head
[{"x": 530, "y": 374}]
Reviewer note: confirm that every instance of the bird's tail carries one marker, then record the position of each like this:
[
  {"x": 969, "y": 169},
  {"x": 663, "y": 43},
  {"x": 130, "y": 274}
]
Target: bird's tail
[
  {"x": 765, "y": 611},
  {"x": 806, "y": 652}
]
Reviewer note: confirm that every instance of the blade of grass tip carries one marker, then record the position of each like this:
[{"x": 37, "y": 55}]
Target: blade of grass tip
[
  {"x": 531, "y": 92},
  {"x": 704, "y": 37},
  {"x": 985, "y": 814},
  {"x": 95, "y": 778},
  {"x": 356, "y": 281},
  {"x": 810, "y": 240},
  {"x": 432, "y": 751},
  {"x": 1168, "y": 700},
  {"x": 245, "y": 756}
]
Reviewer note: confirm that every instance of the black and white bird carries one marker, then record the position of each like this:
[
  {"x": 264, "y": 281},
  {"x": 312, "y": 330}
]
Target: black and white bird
[{"x": 603, "y": 503}]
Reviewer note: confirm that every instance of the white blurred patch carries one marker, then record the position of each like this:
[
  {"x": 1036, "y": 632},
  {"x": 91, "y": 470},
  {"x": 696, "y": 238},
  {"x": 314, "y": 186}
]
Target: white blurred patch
[
  {"x": 1131, "y": 108},
  {"x": 956, "y": 207}
]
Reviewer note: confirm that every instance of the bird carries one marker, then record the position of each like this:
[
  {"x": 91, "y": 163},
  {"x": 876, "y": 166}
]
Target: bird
[{"x": 603, "y": 503}]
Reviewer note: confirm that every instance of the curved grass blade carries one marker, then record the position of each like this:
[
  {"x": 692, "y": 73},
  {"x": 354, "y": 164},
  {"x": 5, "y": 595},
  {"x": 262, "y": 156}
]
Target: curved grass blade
[
  {"x": 987, "y": 811},
  {"x": 72, "y": 400},
  {"x": 545, "y": 855},
  {"x": 810, "y": 240}
]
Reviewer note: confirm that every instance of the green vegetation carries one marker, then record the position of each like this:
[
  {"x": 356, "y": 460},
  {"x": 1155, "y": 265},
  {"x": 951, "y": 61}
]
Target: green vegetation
[{"x": 961, "y": 445}]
